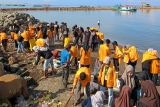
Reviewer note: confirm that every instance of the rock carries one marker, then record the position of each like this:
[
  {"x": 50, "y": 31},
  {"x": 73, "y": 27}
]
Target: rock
[
  {"x": 14, "y": 68},
  {"x": 7, "y": 18},
  {"x": 7, "y": 67},
  {"x": 1, "y": 59},
  {"x": 2, "y": 72},
  {"x": 11, "y": 60},
  {"x": 11, "y": 85}
]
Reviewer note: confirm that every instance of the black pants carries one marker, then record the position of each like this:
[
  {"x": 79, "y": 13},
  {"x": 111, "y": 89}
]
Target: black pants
[
  {"x": 116, "y": 64},
  {"x": 76, "y": 62},
  {"x": 26, "y": 44},
  {"x": 4, "y": 44},
  {"x": 76, "y": 40},
  {"x": 65, "y": 76},
  {"x": 94, "y": 45},
  {"x": 57, "y": 35},
  {"x": 16, "y": 44}
]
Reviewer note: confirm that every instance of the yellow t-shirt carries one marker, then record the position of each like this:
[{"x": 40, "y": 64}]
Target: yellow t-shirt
[
  {"x": 87, "y": 71},
  {"x": 66, "y": 41},
  {"x": 3, "y": 36},
  {"x": 25, "y": 35},
  {"x": 104, "y": 51}
]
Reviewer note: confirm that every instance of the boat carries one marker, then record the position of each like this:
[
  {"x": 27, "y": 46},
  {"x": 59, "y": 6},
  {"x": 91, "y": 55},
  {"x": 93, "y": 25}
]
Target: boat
[{"x": 125, "y": 8}]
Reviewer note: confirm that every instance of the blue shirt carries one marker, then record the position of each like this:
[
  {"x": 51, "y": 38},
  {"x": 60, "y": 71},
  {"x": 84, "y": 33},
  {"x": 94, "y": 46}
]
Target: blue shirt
[{"x": 65, "y": 56}]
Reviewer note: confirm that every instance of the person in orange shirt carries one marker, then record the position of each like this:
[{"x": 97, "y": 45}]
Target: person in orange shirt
[
  {"x": 14, "y": 36},
  {"x": 74, "y": 54},
  {"x": 31, "y": 31},
  {"x": 32, "y": 36},
  {"x": 25, "y": 35},
  {"x": 125, "y": 54},
  {"x": 50, "y": 36},
  {"x": 117, "y": 55},
  {"x": 104, "y": 50},
  {"x": 39, "y": 33},
  {"x": 67, "y": 40},
  {"x": 151, "y": 64},
  {"x": 4, "y": 39},
  {"x": 85, "y": 55},
  {"x": 131, "y": 56},
  {"x": 81, "y": 79},
  {"x": 108, "y": 78}
]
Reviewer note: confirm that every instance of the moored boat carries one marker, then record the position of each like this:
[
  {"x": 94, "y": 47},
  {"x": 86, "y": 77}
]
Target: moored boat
[{"x": 125, "y": 8}]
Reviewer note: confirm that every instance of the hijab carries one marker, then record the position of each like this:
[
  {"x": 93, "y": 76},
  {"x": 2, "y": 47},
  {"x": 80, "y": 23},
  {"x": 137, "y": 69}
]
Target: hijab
[
  {"x": 151, "y": 97},
  {"x": 129, "y": 81},
  {"x": 97, "y": 100},
  {"x": 123, "y": 100}
]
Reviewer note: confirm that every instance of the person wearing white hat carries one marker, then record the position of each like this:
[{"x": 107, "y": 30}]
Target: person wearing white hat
[{"x": 107, "y": 78}]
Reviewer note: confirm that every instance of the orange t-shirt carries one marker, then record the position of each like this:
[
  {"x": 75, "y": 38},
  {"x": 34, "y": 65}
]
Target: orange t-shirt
[
  {"x": 85, "y": 57},
  {"x": 74, "y": 51},
  {"x": 31, "y": 32},
  {"x": 3, "y": 36}
]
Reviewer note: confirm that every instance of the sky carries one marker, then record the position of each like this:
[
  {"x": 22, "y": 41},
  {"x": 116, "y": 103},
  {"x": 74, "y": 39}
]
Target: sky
[{"x": 81, "y": 2}]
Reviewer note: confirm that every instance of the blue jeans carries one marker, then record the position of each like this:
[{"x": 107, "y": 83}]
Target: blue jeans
[
  {"x": 20, "y": 47},
  {"x": 87, "y": 102},
  {"x": 110, "y": 97},
  {"x": 47, "y": 62}
]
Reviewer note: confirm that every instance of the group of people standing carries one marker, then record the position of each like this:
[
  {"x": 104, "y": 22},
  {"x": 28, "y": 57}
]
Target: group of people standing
[{"x": 134, "y": 90}]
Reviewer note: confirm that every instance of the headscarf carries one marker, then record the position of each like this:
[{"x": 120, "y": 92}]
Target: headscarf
[
  {"x": 129, "y": 81},
  {"x": 143, "y": 76},
  {"x": 97, "y": 100},
  {"x": 85, "y": 47},
  {"x": 151, "y": 98},
  {"x": 123, "y": 100}
]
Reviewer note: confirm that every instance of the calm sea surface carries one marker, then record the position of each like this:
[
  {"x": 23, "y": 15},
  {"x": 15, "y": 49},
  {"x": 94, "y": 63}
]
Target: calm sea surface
[{"x": 141, "y": 28}]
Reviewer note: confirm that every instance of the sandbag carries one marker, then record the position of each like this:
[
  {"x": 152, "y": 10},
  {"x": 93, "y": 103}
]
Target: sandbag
[{"x": 12, "y": 85}]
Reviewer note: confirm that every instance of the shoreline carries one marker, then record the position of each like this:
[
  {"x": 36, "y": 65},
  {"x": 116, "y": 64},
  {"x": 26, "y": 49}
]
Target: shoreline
[{"x": 72, "y": 9}]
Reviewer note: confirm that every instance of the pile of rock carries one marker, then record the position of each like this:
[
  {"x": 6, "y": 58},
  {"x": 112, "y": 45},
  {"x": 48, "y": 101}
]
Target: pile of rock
[{"x": 8, "y": 18}]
